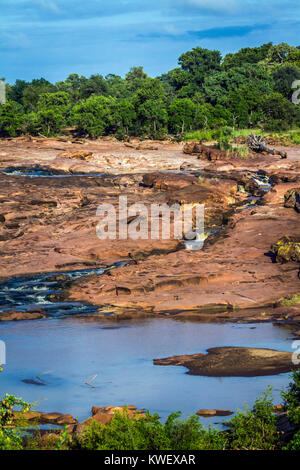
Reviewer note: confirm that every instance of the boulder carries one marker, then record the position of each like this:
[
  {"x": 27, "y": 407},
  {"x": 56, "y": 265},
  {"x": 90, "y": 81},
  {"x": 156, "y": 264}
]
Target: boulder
[
  {"x": 287, "y": 249},
  {"x": 166, "y": 182},
  {"x": 205, "y": 152},
  {"x": 292, "y": 199}
]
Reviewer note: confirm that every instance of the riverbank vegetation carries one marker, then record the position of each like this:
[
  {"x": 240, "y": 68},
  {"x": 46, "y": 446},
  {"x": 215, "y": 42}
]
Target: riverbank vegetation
[
  {"x": 249, "y": 89},
  {"x": 259, "y": 428}
]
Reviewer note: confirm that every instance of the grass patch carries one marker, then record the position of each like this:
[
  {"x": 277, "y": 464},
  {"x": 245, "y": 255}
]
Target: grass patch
[
  {"x": 294, "y": 300},
  {"x": 290, "y": 137}
]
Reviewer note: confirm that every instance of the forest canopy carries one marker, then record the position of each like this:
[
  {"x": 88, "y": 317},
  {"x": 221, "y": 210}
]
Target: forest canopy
[{"x": 247, "y": 89}]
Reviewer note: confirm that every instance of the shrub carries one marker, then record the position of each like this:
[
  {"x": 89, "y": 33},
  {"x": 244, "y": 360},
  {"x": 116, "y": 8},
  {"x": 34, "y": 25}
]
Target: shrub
[
  {"x": 10, "y": 439},
  {"x": 149, "y": 433},
  {"x": 291, "y": 398},
  {"x": 255, "y": 429}
]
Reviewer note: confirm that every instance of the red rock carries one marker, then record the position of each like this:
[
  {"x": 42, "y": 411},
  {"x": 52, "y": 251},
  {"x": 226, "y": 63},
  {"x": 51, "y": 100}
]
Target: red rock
[{"x": 11, "y": 315}]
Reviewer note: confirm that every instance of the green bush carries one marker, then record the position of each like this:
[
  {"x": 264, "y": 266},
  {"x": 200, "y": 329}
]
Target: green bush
[
  {"x": 294, "y": 443},
  {"x": 149, "y": 433},
  {"x": 10, "y": 438},
  {"x": 255, "y": 429},
  {"x": 291, "y": 398}
]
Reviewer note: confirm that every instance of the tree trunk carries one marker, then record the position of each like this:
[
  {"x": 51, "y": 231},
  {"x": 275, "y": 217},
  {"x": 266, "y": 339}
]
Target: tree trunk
[{"x": 257, "y": 144}]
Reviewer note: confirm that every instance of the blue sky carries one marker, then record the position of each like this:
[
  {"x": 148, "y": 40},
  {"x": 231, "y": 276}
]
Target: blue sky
[{"x": 53, "y": 38}]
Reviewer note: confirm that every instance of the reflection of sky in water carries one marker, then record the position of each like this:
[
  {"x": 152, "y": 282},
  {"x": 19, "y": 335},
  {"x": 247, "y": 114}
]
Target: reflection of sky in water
[{"x": 121, "y": 354}]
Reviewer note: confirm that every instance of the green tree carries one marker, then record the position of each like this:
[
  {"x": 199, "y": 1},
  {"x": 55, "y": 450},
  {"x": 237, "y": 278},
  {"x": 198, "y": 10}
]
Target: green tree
[
  {"x": 279, "y": 113},
  {"x": 150, "y": 106},
  {"x": 181, "y": 115},
  {"x": 135, "y": 79},
  {"x": 283, "y": 79},
  {"x": 33, "y": 90},
  {"x": 199, "y": 62},
  {"x": 125, "y": 116},
  {"x": 11, "y": 119},
  {"x": 93, "y": 117},
  {"x": 247, "y": 55},
  {"x": 219, "y": 84}
]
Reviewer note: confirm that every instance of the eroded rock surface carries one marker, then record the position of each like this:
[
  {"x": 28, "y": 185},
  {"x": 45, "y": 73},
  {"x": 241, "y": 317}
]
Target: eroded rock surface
[
  {"x": 49, "y": 224},
  {"x": 233, "y": 362}
]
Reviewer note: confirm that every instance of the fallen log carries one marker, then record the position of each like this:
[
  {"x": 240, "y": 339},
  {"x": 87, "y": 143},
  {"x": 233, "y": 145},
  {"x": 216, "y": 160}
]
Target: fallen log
[{"x": 257, "y": 143}]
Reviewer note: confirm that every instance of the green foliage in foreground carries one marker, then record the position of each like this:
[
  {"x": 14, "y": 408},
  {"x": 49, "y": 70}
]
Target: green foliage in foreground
[
  {"x": 251, "y": 429},
  {"x": 10, "y": 438},
  {"x": 256, "y": 428},
  {"x": 149, "y": 433}
]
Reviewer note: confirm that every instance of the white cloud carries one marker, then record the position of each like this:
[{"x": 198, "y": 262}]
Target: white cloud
[
  {"x": 14, "y": 40},
  {"x": 216, "y": 5},
  {"x": 48, "y": 5}
]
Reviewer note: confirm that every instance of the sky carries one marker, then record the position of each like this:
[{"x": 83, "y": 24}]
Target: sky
[{"x": 54, "y": 38}]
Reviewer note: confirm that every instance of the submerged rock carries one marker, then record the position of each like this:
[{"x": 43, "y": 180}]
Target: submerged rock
[{"x": 233, "y": 362}]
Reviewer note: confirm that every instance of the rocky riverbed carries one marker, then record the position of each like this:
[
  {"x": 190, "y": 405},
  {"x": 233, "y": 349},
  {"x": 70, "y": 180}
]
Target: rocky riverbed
[{"x": 48, "y": 224}]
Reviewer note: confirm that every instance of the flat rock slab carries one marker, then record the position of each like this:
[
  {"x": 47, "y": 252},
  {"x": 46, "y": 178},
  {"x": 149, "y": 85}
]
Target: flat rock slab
[
  {"x": 12, "y": 315},
  {"x": 209, "y": 413},
  {"x": 233, "y": 362}
]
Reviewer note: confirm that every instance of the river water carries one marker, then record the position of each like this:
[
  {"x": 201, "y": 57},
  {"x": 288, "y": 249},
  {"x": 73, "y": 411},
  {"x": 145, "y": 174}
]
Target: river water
[{"x": 50, "y": 360}]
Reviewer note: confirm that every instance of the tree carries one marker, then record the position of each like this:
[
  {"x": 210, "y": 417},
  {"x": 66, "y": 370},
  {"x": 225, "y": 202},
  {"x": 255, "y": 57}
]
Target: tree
[
  {"x": 116, "y": 86},
  {"x": 135, "y": 78},
  {"x": 200, "y": 62},
  {"x": 150, "y": 106},
  {"x": 125, "y": 116},
  {"x": 181, "y": 115},
  {"x": 47, "y": 122},
  {"x": 247, "y": 55},
  {"x": 15, "y": 92},
  {"x": 33, "y": 90},
  {"x": 278, "y": 54},
  {"x": 279, "y": 113},
  {"x": 217, "y": 85},
  {"x": 49, "y": 100},
  {"x": 11, "y": 119},
  {"x": 95, "y": 85},
  {"x": 284, "y": 77},
  {"x": 94, "y": 116}
]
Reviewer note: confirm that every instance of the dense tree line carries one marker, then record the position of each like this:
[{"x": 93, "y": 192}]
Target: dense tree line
[{"x": 249, "y": 88}]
